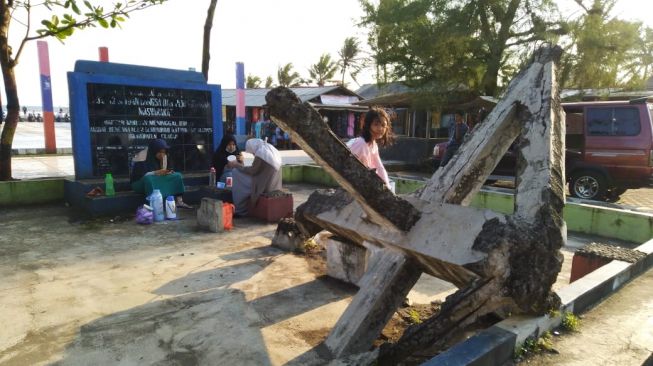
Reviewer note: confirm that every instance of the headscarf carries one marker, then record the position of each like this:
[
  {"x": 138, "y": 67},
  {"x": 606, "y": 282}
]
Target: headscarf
[
  {"x": 221, "y": 153},
  {"x": 265, "y": 151},
  {"x": 152, "y": 149}
]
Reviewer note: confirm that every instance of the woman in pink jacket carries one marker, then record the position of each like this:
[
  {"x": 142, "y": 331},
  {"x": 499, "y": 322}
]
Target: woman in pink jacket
[{"x": 376, "y": 131}]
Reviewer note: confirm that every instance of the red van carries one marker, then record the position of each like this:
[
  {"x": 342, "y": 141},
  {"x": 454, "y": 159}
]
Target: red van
[{"x": 609, "y": 148}]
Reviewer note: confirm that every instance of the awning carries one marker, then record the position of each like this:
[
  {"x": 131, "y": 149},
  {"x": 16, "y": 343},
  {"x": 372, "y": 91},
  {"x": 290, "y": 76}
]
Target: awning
[{"x": 339, "y": 107}]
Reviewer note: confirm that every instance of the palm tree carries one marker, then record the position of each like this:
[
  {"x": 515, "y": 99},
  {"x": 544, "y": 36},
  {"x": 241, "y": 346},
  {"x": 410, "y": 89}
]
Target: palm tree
[
  {"x": 323, "y": 70},
  {"x": 287, "y": 77},
  {"x": 253, "y": 82},
  {"x": 349, "y": 60},
  {"x": 268, "y": 82}
]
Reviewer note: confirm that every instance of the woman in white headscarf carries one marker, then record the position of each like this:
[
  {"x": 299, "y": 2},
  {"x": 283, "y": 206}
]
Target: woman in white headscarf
[{"x": 264, "y": 175}]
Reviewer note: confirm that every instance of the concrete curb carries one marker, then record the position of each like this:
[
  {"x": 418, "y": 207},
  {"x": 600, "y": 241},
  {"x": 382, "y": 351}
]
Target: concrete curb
[
  {"x": 41, "y": 151},
  {"x": 496, "y": 345}
]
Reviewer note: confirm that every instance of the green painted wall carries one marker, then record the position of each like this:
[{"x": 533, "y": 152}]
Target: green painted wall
[
  {"x": 611, "y": 223},
  {"x": 314, "y": 174},
  {"x": 29, "y": 192},
  {"x": 625, "y": 225},
  {"x": 292, "y": 173}
]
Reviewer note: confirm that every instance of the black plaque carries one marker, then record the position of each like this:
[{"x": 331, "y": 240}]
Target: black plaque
[{"x": 123, "y": 119}]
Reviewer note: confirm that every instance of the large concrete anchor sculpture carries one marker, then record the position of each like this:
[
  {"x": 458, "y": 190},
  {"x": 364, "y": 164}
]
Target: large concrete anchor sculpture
[{"x": 497, "y": 261}]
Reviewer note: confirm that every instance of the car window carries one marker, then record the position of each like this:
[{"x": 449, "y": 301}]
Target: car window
[
  {"x": 613, "y": 121},
  {"x": 599, "y": 121},
  {"x": 626, "y": 122}
]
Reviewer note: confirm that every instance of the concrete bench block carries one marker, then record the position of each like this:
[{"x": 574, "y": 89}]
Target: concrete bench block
[
  {"x": 346, "y": 261},
  {"x": 209, "y": 215},
  {"x": 273, "y": 207},
  {"x": 596, "y": 255}
]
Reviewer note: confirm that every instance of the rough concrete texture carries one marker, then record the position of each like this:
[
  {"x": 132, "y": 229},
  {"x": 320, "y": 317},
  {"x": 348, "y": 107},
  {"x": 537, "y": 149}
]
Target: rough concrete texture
[
  {"x": 103, "y": 293},
  {"x": 288, "y": 237},
  {"x": 346, "y": 261},
  {"x": 499, "y": 262},
  {"x": 209, "y": 215},
  {"x": 609, "y": 252}
]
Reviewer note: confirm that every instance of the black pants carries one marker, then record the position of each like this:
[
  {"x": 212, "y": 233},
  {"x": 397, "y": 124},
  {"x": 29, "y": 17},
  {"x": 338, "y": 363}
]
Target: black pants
[{"x": 448, "y": 155}]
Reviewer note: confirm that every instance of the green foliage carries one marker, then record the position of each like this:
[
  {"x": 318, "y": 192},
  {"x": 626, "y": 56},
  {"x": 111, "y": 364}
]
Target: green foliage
[
  {"x": 287, "y": 77},
  {"x": 553, "y": 313},
  {"x": 534, "y": 346},
  {"x": 607, "y": 52},
  {"x": 350, "y": 60},
  {"x": 268, "y": 82},
  {"x": 442, "y": 45},
  {"x": 74, "y": 14},
  {"x": 570, "y": 322},
  {"x": 253, "y": 82},
  {"x": 323, "y": 70},
  {"x": 414, "y": 316}
]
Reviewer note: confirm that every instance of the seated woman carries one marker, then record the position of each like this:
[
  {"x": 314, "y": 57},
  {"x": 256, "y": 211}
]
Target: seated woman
[
  {"x": 155, "y": 172},
  {"x": 376, "y": 130},
  {"x": 264, "y": 175},
  {"x": 227, "y": 147}
]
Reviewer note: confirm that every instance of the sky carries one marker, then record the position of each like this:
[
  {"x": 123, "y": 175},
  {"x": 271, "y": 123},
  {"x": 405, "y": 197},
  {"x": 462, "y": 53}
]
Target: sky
[{"x": 264, "y": 34}]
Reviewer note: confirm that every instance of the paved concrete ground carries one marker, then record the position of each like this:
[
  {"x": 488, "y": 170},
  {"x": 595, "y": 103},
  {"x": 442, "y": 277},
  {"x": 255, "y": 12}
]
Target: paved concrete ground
[
  {"x": 619, "y": 331},
  {"x": 30, "y": 135},
  {"x": 98, "y": 292}
]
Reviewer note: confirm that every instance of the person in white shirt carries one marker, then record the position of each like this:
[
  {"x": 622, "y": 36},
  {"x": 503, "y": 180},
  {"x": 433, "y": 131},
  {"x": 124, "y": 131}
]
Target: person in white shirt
[{"x": 376, "y": 131}]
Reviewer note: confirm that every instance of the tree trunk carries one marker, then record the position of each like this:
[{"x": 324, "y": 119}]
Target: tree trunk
[
  {"x": 206, "y": 55},
  {"x": 491, "y": 76},
  {"x": 13, "y": 107}
]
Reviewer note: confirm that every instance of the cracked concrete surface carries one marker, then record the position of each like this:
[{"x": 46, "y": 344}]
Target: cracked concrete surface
[{"x": 619, "y": 331}]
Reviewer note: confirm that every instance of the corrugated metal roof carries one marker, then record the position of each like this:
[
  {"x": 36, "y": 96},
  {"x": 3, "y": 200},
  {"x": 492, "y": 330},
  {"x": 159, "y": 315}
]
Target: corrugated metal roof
[
  {"x": 256, "y": 97},
  {"x": 370, "y": 91}
]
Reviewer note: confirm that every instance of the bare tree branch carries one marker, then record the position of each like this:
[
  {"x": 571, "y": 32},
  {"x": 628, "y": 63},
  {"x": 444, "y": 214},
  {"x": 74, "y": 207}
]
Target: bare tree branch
[{"x": 22, "y": 43}]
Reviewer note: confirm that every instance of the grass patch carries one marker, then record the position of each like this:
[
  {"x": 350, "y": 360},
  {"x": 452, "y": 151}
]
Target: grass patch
[
  {"x": 533, "y": 346},
  {"x": 570, "y": 322}
]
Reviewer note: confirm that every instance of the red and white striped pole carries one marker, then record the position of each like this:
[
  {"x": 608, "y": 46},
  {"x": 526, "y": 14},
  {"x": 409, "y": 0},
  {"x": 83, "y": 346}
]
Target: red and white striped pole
[
  {"x": 103, "y": 53},
  {"x": 46, "y": 98}
]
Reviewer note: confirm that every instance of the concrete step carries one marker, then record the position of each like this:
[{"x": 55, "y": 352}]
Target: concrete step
[{"x": 126, "y": 200}]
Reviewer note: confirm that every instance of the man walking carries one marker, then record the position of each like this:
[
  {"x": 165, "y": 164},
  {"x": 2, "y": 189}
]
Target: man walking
[{"x": 456, "y": 133}]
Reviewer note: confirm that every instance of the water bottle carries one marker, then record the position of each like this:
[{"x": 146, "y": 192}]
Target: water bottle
[
  {"x": 212, "y": 177},
  {"x": 171, "y": 208},
  {"x": 108, "y": 185},
  {"x": 156, "y": 202}
]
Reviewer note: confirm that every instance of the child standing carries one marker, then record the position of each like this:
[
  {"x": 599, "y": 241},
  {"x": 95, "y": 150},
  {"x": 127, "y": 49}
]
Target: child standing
[{"x": 376, "y": 131}]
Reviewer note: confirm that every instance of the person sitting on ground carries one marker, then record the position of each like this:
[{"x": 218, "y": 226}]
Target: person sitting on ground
[
  {"x": 457, "y": 132},
  {"x": 376, "y": 131},
  {"x": 263, "y": 176},
  {"x": 227, "y": 147},
  {"x": 154, "y": 171}
]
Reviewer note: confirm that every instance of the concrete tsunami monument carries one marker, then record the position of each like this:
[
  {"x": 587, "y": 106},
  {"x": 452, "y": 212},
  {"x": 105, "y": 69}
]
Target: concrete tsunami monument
[{"x": 500, "y": 263}]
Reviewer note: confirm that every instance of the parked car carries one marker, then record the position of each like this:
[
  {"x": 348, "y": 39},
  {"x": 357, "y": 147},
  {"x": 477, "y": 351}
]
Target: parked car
[{"x": 609, "y": 148}]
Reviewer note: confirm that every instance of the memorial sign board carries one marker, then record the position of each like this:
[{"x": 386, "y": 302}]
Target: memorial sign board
[{"x": 114, "y": 117}]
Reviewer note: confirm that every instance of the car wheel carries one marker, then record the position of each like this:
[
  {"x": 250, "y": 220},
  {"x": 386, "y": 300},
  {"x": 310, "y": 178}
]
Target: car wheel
[{"x": 588, "y": 185}]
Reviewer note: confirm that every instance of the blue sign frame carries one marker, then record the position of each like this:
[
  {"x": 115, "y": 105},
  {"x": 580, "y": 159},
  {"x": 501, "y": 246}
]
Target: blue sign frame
[{"x": 161, "y": 78}]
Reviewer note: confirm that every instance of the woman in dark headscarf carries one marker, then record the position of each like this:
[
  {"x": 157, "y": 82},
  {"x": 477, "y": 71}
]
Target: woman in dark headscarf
[
  {"x": 227, "y": 147},
  {"x": 155, "y": 172}
]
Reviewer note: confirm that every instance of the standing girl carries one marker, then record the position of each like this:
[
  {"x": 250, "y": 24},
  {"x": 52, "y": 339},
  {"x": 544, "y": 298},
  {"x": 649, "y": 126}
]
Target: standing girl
[{"x": 376, "y": 131}]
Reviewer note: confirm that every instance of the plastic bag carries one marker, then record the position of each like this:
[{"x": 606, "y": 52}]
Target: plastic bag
[
  {"x": 144, "y": 216},
  {"x": 228, "y": 215}
]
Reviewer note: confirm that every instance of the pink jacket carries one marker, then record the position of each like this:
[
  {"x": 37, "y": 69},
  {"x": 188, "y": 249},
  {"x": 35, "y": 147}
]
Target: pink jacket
[{"x": 369, "y": 156}]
